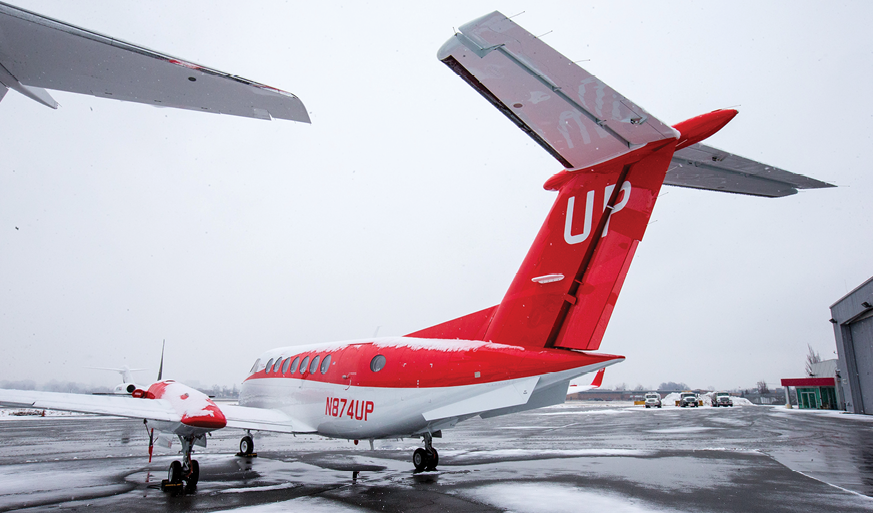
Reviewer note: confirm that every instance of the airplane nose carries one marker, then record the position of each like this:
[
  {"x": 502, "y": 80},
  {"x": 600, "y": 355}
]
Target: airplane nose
[{"x": 209, "y": 417}]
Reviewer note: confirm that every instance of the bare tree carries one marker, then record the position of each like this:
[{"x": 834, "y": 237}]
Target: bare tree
[
  {"x": 811, "y": 358},
  {"x": 621, "y": 387},
  {"x": 762, "y": 387},
  {"x": 670, "y": 385},
  {"x": 639, "y": 387}
]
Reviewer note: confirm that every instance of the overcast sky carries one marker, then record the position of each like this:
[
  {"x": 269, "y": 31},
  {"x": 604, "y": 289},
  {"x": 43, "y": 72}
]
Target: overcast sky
[{"x": 410, "y": 200}]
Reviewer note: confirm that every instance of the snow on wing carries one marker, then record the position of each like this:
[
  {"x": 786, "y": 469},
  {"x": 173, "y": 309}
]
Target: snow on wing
[
  {"x": 39, "y": 52},
  {"x": 121, "y": 406}
]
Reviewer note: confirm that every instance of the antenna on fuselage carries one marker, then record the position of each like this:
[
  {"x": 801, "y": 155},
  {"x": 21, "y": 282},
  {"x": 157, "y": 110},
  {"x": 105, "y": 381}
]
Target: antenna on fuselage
[{"x": 161, "y": 368}]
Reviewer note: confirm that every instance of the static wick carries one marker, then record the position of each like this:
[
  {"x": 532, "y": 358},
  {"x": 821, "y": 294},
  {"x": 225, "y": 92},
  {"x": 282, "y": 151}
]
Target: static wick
[
  {"x": 582, "y": 60},
  {"x": 546, "y": 34},
  {"x": 514, "y": 15}
]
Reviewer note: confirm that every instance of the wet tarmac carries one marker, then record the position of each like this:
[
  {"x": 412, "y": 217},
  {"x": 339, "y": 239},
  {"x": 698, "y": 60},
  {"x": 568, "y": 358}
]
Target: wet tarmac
[{"x": 581, "y": 456}]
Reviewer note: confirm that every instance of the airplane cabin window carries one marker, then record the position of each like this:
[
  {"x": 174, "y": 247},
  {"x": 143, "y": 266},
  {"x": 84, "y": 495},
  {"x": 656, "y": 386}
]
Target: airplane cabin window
[
  {"x": 377, "y": 363},
  {"x": 255, "y": 366},
  {"x": 285, "y": 367},
  {"x": 277, "y": 365},
  {"x": 268, "y": 366},
  {"x": 314, "y": 366},
  {"x": 325, "y": 365},
  {"x": 295, "y": 364},
  {"x": 303, "y": 365}
]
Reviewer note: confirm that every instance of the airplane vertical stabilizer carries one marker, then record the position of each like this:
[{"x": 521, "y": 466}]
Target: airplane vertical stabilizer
[{"x": 616, "y": 155}]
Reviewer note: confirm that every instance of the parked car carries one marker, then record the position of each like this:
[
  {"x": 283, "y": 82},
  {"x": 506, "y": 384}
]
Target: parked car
[
  {"x": 688, "y": 399},
  {"x": 653, "y": 400},
  {"x": 722, "y": 399}
]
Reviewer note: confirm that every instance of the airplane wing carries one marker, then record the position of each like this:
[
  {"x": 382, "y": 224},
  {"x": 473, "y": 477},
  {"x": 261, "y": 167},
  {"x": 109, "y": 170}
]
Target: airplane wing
[
  {"x": 576, "y": 386},
  {"x": 39, "y": 53},
  {"x": 703, "y": 167},
  {"x": 241, "y": 417},
  {"x": 152, "y": 409},
  {"x": 262, "y": 419}
]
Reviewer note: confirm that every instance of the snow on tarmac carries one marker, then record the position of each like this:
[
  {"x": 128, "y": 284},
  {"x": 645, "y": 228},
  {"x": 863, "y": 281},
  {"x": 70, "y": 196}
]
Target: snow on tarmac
[
  {"x": 689, "y": 429},
  {"x": 552, "y": 498},
  {"x": 307, "y": 504}
]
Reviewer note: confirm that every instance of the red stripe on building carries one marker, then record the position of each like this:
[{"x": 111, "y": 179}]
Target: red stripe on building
[{"x": 808, "y": 382}]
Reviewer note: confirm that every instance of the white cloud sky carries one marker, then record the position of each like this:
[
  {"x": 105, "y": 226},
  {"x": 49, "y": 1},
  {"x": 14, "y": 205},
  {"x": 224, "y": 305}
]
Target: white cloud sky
[{"x": 410, "y": 200}]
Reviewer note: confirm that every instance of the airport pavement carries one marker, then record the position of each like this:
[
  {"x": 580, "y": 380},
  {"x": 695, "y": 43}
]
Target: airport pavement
[{"x": 581, "y": 456}]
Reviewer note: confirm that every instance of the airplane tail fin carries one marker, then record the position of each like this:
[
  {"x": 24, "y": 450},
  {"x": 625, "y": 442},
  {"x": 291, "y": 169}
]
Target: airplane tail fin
[
  {"x": 616, "y": 158},
  {"x": 598, "y": 378}
]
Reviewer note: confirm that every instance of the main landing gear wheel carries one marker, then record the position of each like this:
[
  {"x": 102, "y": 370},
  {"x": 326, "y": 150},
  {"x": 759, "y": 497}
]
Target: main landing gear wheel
[
  {"x": 434, "y": 459},
  {"x": 419, "y": 459},
  {"x": 426, "y": 458},
  {"x": 174, "y": 475},
  {"x": 246, "y": 446},
  {"x": 192, "y": 477}
]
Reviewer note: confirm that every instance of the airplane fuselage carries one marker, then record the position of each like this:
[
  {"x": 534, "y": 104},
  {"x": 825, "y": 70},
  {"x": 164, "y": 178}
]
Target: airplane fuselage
[{"x": 397, "y": 387}]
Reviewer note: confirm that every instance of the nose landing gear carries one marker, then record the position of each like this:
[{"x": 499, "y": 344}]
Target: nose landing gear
[
  {"x": 183, "y": 476},
  {"x": 426, "y": 458}
]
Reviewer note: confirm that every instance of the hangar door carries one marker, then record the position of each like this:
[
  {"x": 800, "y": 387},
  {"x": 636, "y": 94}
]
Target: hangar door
[{"x": 862, "y": 342}]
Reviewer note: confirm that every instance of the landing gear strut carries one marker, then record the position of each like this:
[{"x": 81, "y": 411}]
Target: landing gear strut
[
  {"x": 426, "y": 458},
  {"x": 185, "y": 474}
]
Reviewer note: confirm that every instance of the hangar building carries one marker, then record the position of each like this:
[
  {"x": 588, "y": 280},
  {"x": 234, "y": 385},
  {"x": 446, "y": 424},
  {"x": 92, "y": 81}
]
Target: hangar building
[{"x": 852, "y": 317}]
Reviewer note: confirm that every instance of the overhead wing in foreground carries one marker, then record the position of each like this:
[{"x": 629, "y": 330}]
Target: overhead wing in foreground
[
  {"x": 39, "y": 53},
  {"x": 152, "y": 409},
  {"x": 703, "y": 167}
]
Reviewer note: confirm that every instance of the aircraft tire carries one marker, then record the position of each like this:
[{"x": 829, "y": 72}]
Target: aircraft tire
[
  {"x": 433, "y": 460},
  {"x": 420, "y": 459},
  {"x": 174, "y": 474},
  {"x": 246, "y": 445},
  {"x": 193, "y": 477}
]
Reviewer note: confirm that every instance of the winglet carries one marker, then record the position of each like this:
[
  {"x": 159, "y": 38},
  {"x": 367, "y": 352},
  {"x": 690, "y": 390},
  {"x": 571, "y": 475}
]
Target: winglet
[
  {"x": 598, "y": 378},
  {"x": 36, "y": 94}
]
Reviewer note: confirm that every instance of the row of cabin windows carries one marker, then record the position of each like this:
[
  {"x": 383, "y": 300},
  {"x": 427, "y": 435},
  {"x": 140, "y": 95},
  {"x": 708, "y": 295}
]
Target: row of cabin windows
[{"x": 288, "y": 366}]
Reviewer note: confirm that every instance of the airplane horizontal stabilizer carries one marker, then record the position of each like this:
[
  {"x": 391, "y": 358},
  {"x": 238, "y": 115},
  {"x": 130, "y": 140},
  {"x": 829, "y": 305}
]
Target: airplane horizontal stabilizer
[
  {"x": 40, "y": 53},
  {"x": 703, "y": 167},
  {"x": 574, "y": 116}
]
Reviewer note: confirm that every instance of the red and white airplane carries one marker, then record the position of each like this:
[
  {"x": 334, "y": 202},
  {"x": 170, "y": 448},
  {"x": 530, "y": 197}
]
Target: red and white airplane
[{"x": 518, "y": 355}]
